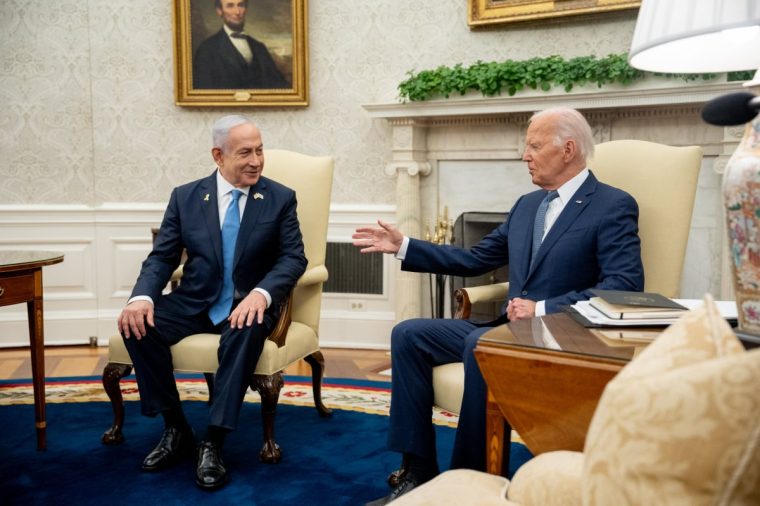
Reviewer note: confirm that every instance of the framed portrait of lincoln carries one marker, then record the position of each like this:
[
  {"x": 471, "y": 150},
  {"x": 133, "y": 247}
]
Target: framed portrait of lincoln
[{"x": 240, "y": 53}]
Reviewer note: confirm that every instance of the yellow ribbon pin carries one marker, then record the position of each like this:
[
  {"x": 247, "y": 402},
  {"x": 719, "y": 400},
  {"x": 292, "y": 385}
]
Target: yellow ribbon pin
[{"x": 206, "y": 198}]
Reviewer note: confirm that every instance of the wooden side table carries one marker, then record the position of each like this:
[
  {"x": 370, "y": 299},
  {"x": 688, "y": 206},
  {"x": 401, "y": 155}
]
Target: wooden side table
[
  {"x": 545, "y": 377},
  {"x": 21, "y": 281}
]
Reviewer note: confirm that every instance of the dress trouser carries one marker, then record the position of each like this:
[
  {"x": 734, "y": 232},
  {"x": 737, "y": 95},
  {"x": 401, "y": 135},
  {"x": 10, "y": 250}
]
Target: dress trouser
[
  {"x": 238, "y": 353},
  {"x": 417, "y": 346}
]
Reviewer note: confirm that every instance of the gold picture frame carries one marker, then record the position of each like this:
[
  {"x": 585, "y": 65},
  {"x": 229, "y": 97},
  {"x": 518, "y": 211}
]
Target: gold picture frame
[
  {"x": 491, "y": 12},
  {"x": 271, "y": 68}
]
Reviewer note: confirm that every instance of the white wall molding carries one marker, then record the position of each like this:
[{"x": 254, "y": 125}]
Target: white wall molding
[{"x": 104, "y": 247}]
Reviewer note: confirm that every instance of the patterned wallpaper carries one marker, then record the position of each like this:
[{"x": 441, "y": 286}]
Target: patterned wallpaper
[{"x": 87, "y": 104}]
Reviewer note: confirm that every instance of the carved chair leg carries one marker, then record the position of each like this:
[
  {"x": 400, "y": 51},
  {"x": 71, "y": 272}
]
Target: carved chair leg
[
  {"x": 268, "y": 388},
  {"x": 112, "y": 374},
  {"x": 210, "y": 383},
  {"x": 317, "y": 362}
]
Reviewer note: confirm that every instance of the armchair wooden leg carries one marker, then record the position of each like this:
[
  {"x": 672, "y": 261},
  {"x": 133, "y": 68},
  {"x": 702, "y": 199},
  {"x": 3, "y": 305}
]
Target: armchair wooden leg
[
  {"x": 268, "y": 388},
  {"x": 317, "y": 362},
  {"x": 112, "y": 374}
]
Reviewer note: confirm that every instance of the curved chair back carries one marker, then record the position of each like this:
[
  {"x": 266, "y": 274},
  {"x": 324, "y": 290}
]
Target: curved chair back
[
  {"x": 311, "y": 178},
  {"x": 663, "y": 180}
]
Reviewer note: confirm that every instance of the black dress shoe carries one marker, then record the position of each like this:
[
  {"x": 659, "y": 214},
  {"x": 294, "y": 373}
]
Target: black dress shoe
[
  {"x": 173, "y": 445},
  {"x": 210, "y": 472},
  {"x": 406, "y": 482}
]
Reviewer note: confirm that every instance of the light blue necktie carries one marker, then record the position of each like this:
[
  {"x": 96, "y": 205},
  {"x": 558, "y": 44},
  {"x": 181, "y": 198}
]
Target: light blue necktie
[
  {"x": 220, "y": 309},
  {"x": 538, "y": 225}
]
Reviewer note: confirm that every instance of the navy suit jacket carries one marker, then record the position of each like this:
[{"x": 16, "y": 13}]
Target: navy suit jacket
[
  {"x": 269, "y": 252},
  {"x": 217, "y": 64},
  {"x": 593, "y": 244}
]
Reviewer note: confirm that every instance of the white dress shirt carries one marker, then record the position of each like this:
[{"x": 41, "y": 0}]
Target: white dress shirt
[{"x": 241, "y": 44}]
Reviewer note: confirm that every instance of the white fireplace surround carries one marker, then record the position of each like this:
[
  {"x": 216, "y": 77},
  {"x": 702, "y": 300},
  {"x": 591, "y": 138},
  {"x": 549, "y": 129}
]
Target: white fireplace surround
[{"x": 451, "y": 152}]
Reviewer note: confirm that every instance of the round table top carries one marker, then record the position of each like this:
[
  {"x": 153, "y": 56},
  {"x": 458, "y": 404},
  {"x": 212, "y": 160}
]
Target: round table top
[{"x": 16, "y": 260}]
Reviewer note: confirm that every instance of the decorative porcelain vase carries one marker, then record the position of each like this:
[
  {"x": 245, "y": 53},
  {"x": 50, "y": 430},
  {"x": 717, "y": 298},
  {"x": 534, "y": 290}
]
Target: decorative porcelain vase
[{"x": 741, "y": 193}]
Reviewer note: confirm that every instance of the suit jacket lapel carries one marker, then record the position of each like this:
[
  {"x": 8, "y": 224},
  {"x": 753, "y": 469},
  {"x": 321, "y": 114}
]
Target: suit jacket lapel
[
  {"x": 253, "y": 208},
  {"x": 577, "y": 204},
  {"x": 208, "y": 195}
]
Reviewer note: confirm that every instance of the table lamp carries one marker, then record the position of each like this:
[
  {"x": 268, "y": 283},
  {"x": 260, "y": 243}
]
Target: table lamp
[{"x": 687, "y": 36}]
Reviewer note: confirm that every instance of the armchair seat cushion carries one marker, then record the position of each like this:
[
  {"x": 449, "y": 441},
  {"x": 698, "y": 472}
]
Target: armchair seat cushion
[
  {"x": 458, "y": 487},
  {"x": 197, "y": 353},
  {"x": 552, "y": 478},
  {"x": 448, "y": 385}
]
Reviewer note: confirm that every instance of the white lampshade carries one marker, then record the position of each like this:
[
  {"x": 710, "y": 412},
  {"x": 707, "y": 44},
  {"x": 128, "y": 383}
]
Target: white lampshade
[{"x": 694, "y": 36}]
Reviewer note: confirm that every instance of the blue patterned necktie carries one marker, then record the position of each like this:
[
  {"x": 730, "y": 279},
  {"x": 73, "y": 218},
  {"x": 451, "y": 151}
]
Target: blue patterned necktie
[
  {"x": 220, "y": 309},
  {"x": 538, "y": 225}
]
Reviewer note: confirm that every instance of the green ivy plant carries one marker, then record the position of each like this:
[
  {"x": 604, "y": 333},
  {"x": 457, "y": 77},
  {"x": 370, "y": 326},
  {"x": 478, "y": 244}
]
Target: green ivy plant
[{"x": 493, "y": 78}]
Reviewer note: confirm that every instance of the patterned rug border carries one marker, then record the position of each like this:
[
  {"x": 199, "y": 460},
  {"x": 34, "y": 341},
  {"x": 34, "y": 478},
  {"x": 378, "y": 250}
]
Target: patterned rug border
[{"x": 365, "y": 396}]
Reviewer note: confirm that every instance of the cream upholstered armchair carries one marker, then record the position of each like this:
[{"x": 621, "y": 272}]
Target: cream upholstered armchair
[
  {"x": 296, "y": 335},
  {"x": 663, "y": 180},
  {"x": 677, "y": 426}
]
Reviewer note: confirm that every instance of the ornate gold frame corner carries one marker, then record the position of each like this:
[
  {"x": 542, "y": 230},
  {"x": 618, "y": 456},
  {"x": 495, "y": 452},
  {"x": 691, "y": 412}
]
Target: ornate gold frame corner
[{"x": 493, "y": 12}]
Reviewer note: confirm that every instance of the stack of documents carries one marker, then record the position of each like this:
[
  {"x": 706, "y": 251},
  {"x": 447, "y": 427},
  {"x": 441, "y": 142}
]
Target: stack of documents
[{"x": 596, "y": 317}]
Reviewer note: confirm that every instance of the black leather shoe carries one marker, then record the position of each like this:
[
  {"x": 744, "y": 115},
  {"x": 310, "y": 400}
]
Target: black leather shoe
[
  {"x": 210, "y": 473},
  {"x": 173, "y": 445},
  {"x": 406, "y": 482}
]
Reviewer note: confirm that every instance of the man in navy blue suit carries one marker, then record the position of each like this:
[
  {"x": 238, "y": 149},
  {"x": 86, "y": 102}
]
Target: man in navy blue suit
[
  {"x": 244, "y": 250},
  {"x": 573, "y": 235}
]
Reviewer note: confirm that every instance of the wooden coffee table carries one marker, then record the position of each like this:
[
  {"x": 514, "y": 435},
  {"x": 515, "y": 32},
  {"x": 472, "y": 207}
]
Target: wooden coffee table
[{"x": 545, "y": 377}]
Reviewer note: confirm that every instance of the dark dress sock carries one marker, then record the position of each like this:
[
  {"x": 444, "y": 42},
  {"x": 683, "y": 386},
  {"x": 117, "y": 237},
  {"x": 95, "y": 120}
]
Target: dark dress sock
[
  {"x": 424, "y": 469},
  {"x": 215, "y": 434},
  {"x": 176, "y": 418}
]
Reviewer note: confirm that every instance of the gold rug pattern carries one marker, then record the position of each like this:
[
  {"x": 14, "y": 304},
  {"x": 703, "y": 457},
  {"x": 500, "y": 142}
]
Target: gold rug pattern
[{"x": 366, "y": 399}]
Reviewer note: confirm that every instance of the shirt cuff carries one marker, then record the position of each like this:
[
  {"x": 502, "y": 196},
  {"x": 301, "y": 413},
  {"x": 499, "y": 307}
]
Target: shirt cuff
[
  {"x": 265, "y": 294},
  {"x": 401, "y": 253},
  {"x": 541, "y": 308},
  {"x": 140, "y": 297}
]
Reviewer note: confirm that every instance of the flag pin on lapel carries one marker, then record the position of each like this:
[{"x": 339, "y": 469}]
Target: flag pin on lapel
[
  {"x": 205, "y": 198},
  {"x": 257, "y": 196}
]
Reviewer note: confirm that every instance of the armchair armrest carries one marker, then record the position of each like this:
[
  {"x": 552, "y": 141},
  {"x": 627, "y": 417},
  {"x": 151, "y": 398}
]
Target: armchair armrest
[
  {"x": 313, "y": 275},
  {"x": 466, "y": 297}
]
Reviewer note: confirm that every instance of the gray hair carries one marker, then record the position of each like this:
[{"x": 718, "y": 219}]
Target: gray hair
[
  {"x": 221, "y": 129},
  {"x": 218, "y": 4},
  {"x": 570, "y": 125}
]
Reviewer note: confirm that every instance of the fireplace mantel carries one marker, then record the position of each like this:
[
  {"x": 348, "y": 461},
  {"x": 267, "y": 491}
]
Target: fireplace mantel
[
  {"x": 648, "y": 93},
  {"x": 475, "y": 129}
]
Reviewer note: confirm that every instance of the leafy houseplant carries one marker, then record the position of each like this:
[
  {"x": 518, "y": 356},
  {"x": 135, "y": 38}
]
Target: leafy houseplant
[{"x": 493, "y": 78}]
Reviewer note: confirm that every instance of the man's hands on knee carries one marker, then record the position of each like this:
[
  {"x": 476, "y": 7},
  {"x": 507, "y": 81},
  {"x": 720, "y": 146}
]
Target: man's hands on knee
[
  {"x": 385, "y": 239},
  {"x": 253, "y": 306},
  {"x": 133, "y": 317}
]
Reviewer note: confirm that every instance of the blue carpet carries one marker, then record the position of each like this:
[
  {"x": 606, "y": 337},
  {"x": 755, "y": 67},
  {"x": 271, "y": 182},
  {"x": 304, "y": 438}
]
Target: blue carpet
[{"x": 338, "y": 460}]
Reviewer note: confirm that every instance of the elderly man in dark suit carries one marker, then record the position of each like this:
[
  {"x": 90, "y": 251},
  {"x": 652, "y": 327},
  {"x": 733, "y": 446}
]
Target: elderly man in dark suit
[
  {"x": 232, "y": 59},
  {"x": 244, "y": 250},
  {"x": 572, "y": 235}
]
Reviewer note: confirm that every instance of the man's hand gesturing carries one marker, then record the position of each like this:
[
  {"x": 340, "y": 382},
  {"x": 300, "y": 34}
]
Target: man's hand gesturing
[{"x": 385, "y": 239}]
